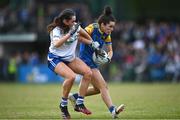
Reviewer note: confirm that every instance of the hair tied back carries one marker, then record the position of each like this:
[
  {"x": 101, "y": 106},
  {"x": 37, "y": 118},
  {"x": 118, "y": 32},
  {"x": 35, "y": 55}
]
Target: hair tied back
[{"x": 107, "y": 10}]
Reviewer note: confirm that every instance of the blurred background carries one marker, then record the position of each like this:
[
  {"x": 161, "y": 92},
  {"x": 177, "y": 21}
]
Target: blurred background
[{"x": 146, "y": 39}]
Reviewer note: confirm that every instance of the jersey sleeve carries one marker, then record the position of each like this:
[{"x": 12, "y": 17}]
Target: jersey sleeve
[
  {"x": 108, "y": 40},
  {"x": 89, "y": 29},
  {"x": 56, "y": 34}
]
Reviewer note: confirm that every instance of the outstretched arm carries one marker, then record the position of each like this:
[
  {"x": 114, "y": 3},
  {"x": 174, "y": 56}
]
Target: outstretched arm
[{"x": 85, "y": 37}]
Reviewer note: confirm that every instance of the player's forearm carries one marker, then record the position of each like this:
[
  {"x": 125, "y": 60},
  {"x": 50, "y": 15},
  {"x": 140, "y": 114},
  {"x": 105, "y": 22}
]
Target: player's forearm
[
  {"x": 85, "y": 40},
  {"x": 85, "y": 37},
  {"x": 110, "y": 51},
  {"x": 59, "y": 42},
  {"x": 110, "y": 54}
]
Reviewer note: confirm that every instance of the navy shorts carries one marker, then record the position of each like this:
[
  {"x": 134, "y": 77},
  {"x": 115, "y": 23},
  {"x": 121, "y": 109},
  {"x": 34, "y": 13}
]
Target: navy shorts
[
  {"x": 89, "y": 62},
  {"x": 53, "y": 60}
]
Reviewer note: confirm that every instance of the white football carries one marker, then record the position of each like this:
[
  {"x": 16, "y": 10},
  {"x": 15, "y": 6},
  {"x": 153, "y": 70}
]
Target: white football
[{"x": 100, "y": 59}]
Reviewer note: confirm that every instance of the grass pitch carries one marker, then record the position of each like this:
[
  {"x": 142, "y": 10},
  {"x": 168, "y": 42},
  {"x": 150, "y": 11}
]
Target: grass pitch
[{"x": 143, "y": 101}]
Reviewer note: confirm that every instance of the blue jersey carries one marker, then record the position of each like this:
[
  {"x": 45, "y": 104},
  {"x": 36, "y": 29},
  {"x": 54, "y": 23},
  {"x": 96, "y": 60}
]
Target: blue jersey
[{"x": 86, "y": 51}]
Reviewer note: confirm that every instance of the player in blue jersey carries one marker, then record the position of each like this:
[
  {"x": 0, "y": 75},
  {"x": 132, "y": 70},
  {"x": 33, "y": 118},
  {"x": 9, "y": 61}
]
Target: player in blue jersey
[
  {"x": 64, "y": 33},
  {"x": 101, "y": 33}
]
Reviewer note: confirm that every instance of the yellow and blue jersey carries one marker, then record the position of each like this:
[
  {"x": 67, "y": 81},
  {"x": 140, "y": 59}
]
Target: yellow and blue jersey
[{"x": 96, "y": 34}]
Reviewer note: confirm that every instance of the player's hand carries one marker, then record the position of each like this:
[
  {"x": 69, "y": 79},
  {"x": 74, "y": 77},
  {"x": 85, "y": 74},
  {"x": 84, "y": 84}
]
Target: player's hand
[
  {"x": 107, "y": 60},
  {"x": 99, "y": 52},
  {"x": 104, "y": 58},
  {"x": 74, "y": 29},
  {"x": 95, "y": 45}
]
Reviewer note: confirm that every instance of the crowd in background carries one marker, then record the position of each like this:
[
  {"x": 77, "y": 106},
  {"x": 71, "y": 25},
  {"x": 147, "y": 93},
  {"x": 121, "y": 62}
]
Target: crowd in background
[
  {"x": 33, "y": 16},
  {"x": 143, "y": 51},
  {"x": 146, "y": 51},
  {"x": 9, "y": 65}
]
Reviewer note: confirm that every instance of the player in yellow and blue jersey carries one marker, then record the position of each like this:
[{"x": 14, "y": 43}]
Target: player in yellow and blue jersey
[
  {"x": 97, "y": 35},
  {"x": 101, "y": 33}
]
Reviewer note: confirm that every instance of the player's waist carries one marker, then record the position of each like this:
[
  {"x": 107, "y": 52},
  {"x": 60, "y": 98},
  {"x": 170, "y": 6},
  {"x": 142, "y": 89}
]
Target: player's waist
[{"x": 65, "y": 57}]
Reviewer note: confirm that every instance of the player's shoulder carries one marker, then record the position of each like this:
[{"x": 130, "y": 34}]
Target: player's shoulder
[
  {"x": 57, "y": 30},
  {"x": 93, "y": 25},
  {"x": 90, "y": 28}
]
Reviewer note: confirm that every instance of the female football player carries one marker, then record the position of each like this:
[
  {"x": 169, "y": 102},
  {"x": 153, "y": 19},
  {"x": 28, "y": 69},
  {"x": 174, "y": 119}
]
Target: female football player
[
  {"x": 64, "y": 34},
  {"x": 101, "y": 33}
]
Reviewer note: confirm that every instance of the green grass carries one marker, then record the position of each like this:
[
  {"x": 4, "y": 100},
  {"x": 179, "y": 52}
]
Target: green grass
[{"x": 145, "y": 101}]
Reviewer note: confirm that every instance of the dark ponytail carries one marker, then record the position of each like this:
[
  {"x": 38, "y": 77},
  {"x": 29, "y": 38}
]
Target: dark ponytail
[
  {"x": 58, "y": 21},
  {"x": 106, "y": 16},
  {"x": 107, "y": 11}
]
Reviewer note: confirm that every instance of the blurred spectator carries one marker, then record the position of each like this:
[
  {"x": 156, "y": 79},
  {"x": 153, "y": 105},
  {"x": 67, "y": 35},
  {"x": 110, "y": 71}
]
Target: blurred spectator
[
  {"x": 25, "y": 57},
  {"x": 12, "y": 68},
  {"x": 34, "y": 59},
  {"x": 156, "y": 65}
]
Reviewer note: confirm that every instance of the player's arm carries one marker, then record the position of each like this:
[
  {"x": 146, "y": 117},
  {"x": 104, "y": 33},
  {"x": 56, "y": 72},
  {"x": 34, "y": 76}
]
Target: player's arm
[
  {"x": 85, "y": 34},
  {"x": 109, "y": 47},
  {"x": 58, "y": 40},
  {"x": 109, "y": 50},
  {"x": 84, "y": 37}
]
